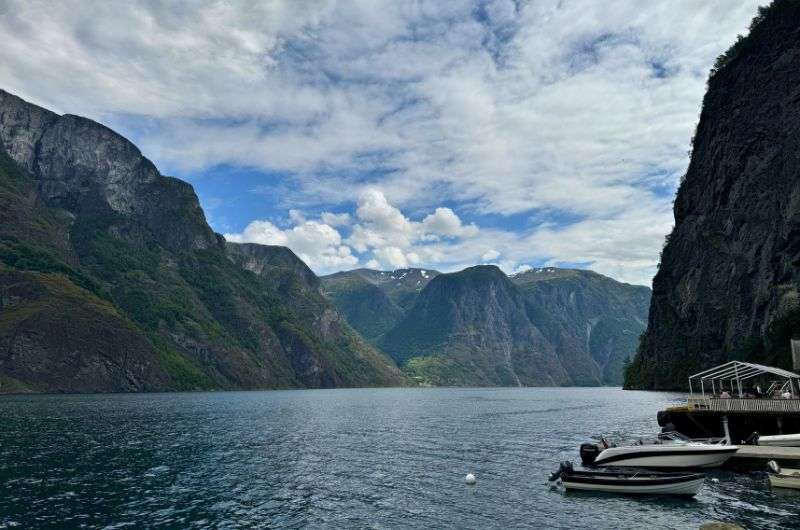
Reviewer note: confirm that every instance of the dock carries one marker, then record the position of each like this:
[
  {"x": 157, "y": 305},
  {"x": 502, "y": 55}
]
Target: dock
[{"x": 763, "y": 452}]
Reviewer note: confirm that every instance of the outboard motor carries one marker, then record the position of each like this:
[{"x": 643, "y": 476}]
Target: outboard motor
[
  {"x": 564, "y": 467},
  {"x": 752, "y": 439},
  {"x": 589, "y": 452}
]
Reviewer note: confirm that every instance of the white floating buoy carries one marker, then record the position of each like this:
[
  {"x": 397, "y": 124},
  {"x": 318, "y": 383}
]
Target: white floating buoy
[{"x": 470, "y": 479}]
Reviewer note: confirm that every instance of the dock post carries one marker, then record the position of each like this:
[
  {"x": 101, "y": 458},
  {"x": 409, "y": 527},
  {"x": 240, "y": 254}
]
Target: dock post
[{"x": 725, "y": 428}]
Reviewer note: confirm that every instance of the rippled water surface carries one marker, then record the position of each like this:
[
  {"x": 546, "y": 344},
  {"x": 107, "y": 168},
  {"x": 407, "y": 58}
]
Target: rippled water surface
[{"x": 383, "y": 458}]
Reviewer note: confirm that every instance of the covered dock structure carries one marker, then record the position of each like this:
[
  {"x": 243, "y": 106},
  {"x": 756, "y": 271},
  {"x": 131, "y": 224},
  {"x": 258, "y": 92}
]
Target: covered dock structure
[
  {"x": 738, "y": 386},
  {"x": 746, "y": 397}
]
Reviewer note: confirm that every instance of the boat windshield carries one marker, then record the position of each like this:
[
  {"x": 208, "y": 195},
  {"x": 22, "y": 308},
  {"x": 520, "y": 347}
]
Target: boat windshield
[{"x": 673, "y": 436}]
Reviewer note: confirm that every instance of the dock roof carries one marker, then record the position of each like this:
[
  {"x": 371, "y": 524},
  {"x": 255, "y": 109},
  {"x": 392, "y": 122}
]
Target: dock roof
[
  {"x": 742, "y": 370},
  {"x": 738, "y": 371}
]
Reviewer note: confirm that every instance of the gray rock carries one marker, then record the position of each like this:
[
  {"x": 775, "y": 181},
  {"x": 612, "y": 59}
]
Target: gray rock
[
  {"x": 83, "y": 166},
  {"x": 729, "y": 278}
]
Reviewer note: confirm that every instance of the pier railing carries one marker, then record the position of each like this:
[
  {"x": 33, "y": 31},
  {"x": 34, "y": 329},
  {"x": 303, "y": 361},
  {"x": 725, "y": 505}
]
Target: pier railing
[{"x": 743, "y": 405}]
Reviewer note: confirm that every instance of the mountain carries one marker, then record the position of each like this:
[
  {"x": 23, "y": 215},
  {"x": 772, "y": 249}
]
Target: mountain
[
  {"x": 472, "y": 328},
  {"x": 111, "y": 279},
  {"x": 728, "y": 285},
  {"x": 480, "y": 327},
  {"x": 587, "y": 314},
  {"x": 374, "y": 301}
]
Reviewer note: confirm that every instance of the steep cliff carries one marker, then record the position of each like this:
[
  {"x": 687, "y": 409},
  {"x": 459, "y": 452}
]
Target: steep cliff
[
  {"x": 728, "y": 286},
  {"x": 593, "y": 321},
  {"x": 111, "y": 279}
]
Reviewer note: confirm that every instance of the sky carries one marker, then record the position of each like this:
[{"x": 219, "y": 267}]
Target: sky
[{"x": 391, "y": 134}]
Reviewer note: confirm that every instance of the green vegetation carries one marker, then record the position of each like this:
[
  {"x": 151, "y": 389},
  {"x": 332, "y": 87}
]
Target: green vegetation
[
  {"x": 185, "y": 374},
  {"x": 9, "y": 385},
  {"x": 24, "y": 257},
  {"x": 436, "y": 370},
  {"x": 744, "y": 44}
]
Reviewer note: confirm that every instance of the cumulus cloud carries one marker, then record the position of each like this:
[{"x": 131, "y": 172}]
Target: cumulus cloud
[
  {"x": 380, "y": 224},
  {"x": 445, "y": 222},
  {"x": 562, "y": 109},
  {"x": 397, "y": 241},
  {"x": 381, "y": 234},
  {"x": 395, "y": 257},
  {"x": 318, "y": 244},
  {"x": 335, "y": 219}
]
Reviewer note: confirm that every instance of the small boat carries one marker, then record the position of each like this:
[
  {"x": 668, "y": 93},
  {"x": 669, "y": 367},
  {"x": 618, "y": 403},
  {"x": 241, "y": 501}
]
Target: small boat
[
  {"x": 669, "y": 450},
  {"x": 628, "y": 481},
  {"x": 779, "y": 440},
  {"x": 783, "y": 477}
]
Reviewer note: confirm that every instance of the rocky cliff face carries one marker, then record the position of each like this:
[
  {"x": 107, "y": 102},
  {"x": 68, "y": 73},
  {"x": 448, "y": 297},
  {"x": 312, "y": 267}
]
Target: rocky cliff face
[
  {"x": 728, "y": 286},
  {"x": 111, "y": 279},
  {"x": 479, "y": 327},
  {"x": 593, "y": 322}
]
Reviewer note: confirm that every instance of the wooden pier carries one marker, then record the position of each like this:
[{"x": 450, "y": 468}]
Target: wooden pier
[{"x": 765, "y": 453}]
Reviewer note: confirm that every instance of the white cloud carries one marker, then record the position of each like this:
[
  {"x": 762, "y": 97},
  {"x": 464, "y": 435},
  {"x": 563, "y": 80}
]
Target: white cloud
[
  {"x": 395, "y": 240},
  {"x": 318, "y": 244},
  {"x": 574, "y": 109},
  {"x": 490, "y": 255},
  {"x": 521, "y": 268},
  {"x": 392, "y": 256},
  {"x": 262, "y": 232},
  {"x": 384, "y": 238},
  {"x": 374, "y": 209},
  {"x": 379, "y": 224},
  {"x": 335, "y": 219},
  {"x": 445, "y": 222},
  {"x": 296, "y": 216}
]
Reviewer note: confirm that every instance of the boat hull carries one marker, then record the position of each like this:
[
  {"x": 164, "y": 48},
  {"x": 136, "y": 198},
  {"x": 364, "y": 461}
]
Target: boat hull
[
  {"x": 687, "y": 485},
  {"x": 666, "y": 457},
  {"x": 785, "y": 481}
]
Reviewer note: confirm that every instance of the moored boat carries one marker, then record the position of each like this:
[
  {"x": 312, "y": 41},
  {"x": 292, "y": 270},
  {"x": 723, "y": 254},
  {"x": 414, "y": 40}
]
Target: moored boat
[
  {"x": 668, "y": 451},
  {"x": 783, "y": 477},
  {"x": 628, "y": 481}
]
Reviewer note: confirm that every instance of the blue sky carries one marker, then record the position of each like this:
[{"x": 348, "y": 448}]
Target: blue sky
[{"x": 392, "y": 134}]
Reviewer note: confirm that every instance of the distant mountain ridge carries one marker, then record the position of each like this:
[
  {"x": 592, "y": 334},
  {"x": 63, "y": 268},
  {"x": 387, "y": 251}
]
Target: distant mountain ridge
[
  {"x": 374, "y": 301},
  {"x": 111, "y": 280},
  {"x": 546, "y": 326}
]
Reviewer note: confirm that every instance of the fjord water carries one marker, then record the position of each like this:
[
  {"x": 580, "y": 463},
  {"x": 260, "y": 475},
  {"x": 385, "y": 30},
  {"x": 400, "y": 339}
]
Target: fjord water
[{"x": 379, "y": 458}]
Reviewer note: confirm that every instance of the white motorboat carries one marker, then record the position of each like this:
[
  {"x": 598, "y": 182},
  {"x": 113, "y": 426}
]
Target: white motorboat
[
  {"x": 628, "y": 481},
  {"x": 783, "y": 477},
  {"x": 779, "y": 440},
  {"x": 668, "y": 451}
]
